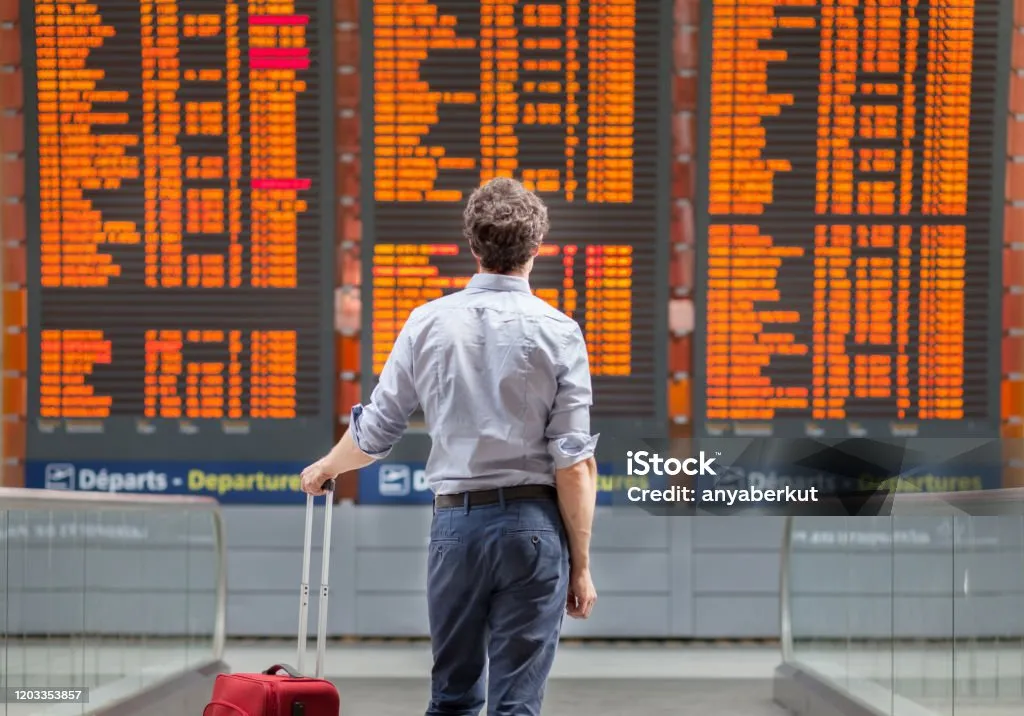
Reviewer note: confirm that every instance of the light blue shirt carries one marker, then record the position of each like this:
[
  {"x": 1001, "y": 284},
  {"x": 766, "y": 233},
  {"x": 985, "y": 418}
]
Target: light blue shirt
[{"x": 504, "y": 384}]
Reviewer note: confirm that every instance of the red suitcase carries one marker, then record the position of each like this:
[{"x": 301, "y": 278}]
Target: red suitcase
[{"x": 272, "y": 693}]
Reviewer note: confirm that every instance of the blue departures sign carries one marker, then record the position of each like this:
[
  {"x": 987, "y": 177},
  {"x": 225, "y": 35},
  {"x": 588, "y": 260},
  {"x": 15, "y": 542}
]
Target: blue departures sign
[{"x": 229, "y": 482}]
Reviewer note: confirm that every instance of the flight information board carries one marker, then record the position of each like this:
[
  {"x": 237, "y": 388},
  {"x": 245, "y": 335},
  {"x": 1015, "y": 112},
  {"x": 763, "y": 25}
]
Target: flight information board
[
  {"x": 567, "y": 97},
  {"x": 181, "y": 239},
  {"x": 850, "y": 217}
]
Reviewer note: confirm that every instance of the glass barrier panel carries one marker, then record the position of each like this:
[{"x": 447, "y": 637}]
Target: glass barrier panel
[
  {"x": 924, "y": 577},
  {"x": 840, "y": 585},
  {"x": 812, "y": 645},
  {"x": 111, "y": 599},
  {"x": 201, "y": 567},
  {"x": 921, "y": 613},
  {"x": 988, "y": 616}
]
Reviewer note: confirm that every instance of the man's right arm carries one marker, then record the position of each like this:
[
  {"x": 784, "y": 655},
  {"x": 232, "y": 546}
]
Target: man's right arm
[
  {"x": 577, "y": 495},
  {"x": 572, "y": 448}
]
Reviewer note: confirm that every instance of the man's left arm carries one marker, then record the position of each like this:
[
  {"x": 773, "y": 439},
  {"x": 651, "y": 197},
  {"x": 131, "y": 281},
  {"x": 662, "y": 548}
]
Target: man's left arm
[{"x": 373, "y": 428}]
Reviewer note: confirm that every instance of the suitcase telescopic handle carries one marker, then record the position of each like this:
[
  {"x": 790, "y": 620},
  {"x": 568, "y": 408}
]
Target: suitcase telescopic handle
[{"x": 307, "y": 549}]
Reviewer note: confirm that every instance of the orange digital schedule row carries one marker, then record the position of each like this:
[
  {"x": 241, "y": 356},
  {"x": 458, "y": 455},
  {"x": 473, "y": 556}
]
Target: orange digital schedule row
[
  {"x": 247, "y": 374},
  {"x": 859, "y": 288},
  {"x": 176, "y": 170},
  {"x": 593, "y": 284},
  {"x": 539, "y": 66},
  {"x": 187, "y": 196}
]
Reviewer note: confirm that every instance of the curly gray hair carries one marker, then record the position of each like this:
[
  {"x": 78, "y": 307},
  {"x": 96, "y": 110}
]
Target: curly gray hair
[{"x": 504, "y": 224}]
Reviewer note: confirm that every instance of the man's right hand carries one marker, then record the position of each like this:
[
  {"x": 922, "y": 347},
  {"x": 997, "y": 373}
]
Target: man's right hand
[{"x": 582, "y": 595}]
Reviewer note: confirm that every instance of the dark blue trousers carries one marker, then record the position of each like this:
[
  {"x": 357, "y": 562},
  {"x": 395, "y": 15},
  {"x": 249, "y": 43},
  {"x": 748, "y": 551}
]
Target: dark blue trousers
[{"x": 496, "y": 588}]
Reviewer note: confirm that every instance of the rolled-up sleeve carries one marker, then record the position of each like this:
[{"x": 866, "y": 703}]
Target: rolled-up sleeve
[
  {"x": 568, "y": 431},
  {"x": 379, "y": 424}
]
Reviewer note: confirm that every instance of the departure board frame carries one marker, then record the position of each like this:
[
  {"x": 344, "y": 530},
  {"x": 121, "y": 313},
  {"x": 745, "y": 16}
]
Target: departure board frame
[
  {"x": 416, "y": 445},
  {"x": 166, "y": 441},
  {"x": 877, "y": 428}
]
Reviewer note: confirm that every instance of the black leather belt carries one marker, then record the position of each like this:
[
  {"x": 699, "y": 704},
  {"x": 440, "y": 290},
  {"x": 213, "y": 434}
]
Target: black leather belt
[{"x": 479, "y": 498}]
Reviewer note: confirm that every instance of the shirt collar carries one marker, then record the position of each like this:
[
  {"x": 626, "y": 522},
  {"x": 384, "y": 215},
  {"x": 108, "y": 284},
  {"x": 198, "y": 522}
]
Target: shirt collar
[{"x": 499, "y": 282}]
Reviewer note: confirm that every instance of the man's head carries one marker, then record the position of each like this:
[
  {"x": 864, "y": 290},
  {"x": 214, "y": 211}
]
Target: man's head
[{"x": 505, "y": 224}]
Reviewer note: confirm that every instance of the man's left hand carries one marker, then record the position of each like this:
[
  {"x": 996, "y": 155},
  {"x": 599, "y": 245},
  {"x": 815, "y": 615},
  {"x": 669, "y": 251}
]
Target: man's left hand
[{"x": 315, "y": 476}]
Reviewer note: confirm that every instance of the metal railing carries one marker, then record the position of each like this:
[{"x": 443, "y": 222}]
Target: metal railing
[
  {"x": 919, "y": 612},
  {"x": 115, "y": 593}
]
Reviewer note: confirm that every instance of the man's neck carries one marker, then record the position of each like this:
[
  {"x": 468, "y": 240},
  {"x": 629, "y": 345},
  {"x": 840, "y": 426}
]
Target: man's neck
[{"x": 516, "y": 274}]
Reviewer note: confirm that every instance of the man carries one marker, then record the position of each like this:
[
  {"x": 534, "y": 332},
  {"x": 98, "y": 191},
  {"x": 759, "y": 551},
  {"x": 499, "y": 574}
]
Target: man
[{"x": 504, "y": 384}]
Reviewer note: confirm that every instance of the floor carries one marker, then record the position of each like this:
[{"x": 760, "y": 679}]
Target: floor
[
  {"x": 386, "y": 680},
  {"x": 582, "y": 697},
  {"x": 603, "y": 680}
]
